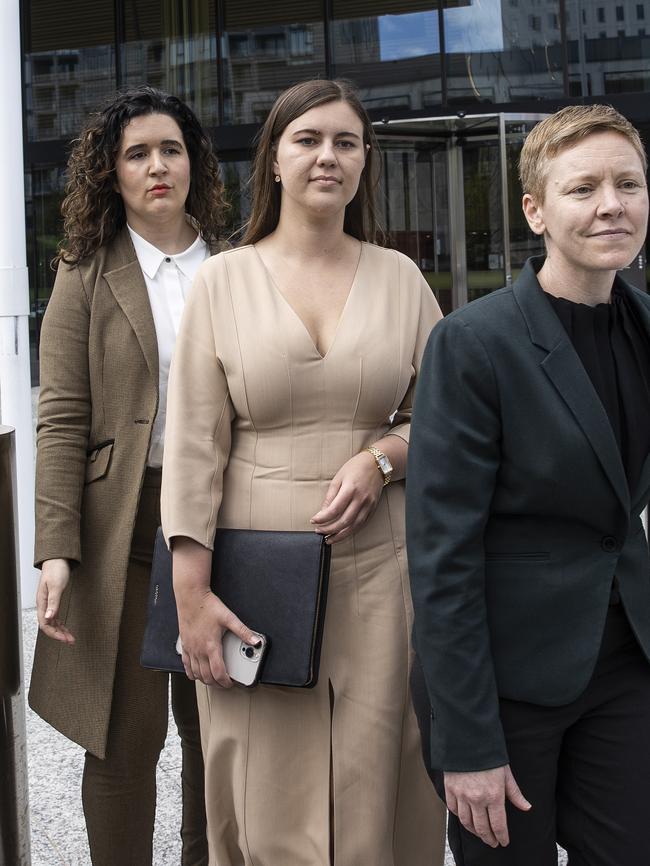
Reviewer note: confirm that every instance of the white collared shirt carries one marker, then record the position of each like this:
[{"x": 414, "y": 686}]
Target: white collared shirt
[{"x": 168, "y": 279}]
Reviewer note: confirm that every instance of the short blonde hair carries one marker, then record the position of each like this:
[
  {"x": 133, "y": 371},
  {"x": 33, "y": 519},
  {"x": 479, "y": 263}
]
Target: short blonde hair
[{"x": 563, "y": 129}]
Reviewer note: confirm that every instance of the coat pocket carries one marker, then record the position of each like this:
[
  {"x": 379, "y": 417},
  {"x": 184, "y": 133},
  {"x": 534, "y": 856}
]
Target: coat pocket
[{"x": 98, "y": 461}]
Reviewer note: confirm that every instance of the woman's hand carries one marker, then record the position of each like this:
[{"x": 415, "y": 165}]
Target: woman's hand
[
  {"x": 479, "y": 802},
  {"x": 203, "y": 620},
  {"x": 202, "y": 617},
  {"x": 55, "y": 576},
  {"x": 351, "y": 498}
]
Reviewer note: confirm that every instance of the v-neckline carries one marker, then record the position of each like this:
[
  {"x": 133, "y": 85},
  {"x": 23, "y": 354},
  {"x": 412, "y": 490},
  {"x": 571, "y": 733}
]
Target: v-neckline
[{"x": 299, "y": 318}]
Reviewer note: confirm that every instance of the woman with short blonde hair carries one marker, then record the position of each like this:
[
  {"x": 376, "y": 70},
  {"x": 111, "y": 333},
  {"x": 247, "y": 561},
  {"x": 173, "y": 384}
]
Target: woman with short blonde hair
[{"x": 529, "y": 467}]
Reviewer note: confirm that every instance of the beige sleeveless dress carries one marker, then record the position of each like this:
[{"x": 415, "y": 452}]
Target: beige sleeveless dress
[{"x": 258, "y": 424}]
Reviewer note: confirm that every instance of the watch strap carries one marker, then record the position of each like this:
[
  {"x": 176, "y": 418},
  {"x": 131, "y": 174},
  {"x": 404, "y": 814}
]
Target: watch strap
[{"x": 379, "y": 458}]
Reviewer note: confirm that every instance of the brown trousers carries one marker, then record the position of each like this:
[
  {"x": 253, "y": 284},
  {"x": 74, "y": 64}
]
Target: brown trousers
[{"x": 119, "y": 792}]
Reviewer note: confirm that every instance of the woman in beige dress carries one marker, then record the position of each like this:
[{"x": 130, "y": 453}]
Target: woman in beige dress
[{"x": 297, "y": 353}]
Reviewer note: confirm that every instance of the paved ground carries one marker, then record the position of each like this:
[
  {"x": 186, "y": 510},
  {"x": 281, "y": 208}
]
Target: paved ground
[{"x": 55, "y": 764}]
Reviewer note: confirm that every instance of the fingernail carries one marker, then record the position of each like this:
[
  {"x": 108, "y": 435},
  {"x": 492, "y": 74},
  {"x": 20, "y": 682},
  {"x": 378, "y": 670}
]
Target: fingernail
[{"x": 48, "y": 613}]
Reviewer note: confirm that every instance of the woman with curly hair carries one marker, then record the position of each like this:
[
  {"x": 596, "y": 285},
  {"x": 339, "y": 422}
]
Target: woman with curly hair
[{"x": 143, "y": 210}]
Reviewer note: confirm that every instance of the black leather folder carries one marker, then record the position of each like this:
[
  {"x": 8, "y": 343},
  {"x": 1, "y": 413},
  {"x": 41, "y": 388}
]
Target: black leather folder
[{"x": 275, "y": 582}]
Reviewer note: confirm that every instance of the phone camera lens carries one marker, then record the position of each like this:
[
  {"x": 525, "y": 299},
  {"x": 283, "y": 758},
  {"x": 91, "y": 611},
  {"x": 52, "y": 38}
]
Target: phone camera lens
[{"x": 250, "y": 652}]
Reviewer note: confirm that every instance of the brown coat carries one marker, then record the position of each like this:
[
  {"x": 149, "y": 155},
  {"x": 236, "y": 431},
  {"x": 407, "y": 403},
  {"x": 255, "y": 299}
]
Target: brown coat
[{"x": 98, "y": 401}]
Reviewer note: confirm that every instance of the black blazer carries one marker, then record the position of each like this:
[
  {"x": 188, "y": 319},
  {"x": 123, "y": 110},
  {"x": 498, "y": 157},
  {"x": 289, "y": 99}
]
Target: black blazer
[{"x": 518, "y": 517}]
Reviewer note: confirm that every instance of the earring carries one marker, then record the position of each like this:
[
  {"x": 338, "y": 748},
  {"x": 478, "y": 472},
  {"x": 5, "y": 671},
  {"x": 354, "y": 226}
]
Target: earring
[{"x": 277, "y": 178}]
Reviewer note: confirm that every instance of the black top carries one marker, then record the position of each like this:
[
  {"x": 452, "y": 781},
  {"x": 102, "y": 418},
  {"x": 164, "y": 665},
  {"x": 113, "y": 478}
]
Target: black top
[{"x": 614, "y": 350}]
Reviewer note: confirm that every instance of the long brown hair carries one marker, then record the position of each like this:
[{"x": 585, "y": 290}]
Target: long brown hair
[
  {"x": 361, "y": 214},
  {"x": 93, "y": 211}
]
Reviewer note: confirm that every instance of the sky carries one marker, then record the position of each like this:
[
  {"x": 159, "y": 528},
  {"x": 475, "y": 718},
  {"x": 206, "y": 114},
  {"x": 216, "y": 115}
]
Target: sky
[{"x": 473, "y": 28}]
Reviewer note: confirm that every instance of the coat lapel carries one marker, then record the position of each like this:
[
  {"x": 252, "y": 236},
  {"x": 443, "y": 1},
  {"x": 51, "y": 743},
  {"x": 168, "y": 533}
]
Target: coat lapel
[
  {"x": 642, "y": 488},
  {"x": 126, "y": 282},
  {"x": 129, "y": 289},
  {"x": 564, "y": 369},
  {"x": 641, "y": 304}
]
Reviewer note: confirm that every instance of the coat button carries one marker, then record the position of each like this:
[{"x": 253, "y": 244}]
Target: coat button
[{"x": 609, "y": 544}]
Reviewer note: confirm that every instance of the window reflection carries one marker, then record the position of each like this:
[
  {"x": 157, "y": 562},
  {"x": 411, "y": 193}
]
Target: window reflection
[
  {"x": 414, "y": 209},
  {"x": 498, "y": 51},
  {"x": 172, "y": 45},
  {"x": 235, "y": 176},
  {"x": 393, "y": 57},
  {"x": 69, "y": 66},
  {"x": 267, "y": 48},
  {"x": 484, "y": 239},
  {"x": 608, "y": 48},
  {"x": 523, "y": 243},
  {"x": 44, "y": 186}
]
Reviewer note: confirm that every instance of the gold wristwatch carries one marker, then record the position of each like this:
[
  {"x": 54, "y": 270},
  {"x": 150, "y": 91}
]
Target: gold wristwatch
[{"x": 383, "y": 463}]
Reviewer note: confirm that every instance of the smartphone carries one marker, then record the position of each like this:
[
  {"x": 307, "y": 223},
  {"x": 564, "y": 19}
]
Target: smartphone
[{"x": 243, "y": 662}]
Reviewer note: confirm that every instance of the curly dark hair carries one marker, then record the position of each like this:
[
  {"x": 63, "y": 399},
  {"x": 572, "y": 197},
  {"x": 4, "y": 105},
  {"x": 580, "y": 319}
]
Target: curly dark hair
[{"x": 93, "y": 212}]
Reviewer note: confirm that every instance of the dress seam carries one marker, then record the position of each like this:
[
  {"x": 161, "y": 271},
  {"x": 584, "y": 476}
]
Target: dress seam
[
  {"x": 292, "y": 440},
  {"x": 405, "y": 694},
  {"x": 213, "y": 509},
  {"x": 354, "y": 552},
  {"x": 248, "y": 407},
  {"x": 399, "y": 331},
  {"x": 245, "y": 792}
]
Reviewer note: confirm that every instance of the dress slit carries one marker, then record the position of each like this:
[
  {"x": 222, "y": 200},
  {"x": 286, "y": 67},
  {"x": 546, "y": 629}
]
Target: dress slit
[{"x": 331, "y": 803}]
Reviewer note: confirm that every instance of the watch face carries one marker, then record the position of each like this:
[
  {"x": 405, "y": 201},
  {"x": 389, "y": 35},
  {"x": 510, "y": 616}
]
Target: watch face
[{"x": 384, "y": 464}]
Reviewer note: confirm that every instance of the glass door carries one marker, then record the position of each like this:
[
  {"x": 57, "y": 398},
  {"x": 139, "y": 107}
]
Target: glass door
[
  {"x": 452, "y": 201},
  {"x": 415, "y": 208}
]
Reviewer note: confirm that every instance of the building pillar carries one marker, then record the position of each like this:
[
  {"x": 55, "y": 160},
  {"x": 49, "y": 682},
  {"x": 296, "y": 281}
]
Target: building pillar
[
  {"x": 14, "y": 798},
  {"x": 15, "y": 381}
]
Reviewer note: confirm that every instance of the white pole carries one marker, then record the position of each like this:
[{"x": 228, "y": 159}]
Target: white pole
[{"x": 15, "y": 383}]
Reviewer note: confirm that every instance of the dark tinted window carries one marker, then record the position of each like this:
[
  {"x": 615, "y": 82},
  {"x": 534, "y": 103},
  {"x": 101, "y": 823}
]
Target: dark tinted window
[
  {"x": 607, "y": 60},
  {"x": 267, "y": 47},
  {"x": 69, "y": 65},
  {"x": 391, "y": 50},
  {"x": 497, "y": 53},
  {"x": 173, "y": 46}
]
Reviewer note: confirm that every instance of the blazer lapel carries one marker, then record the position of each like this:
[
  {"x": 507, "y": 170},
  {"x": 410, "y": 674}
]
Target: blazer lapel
[
  {"x": 641, "y": 306},
  {"x": 129, "y": 289},
  {"x": 641, "y": 493},
  {"x": 564, "y": 369},
  {"x": 127, "y": 284}
]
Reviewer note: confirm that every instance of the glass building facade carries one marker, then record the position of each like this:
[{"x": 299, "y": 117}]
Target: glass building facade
[{"x": 453, "y": 86}]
